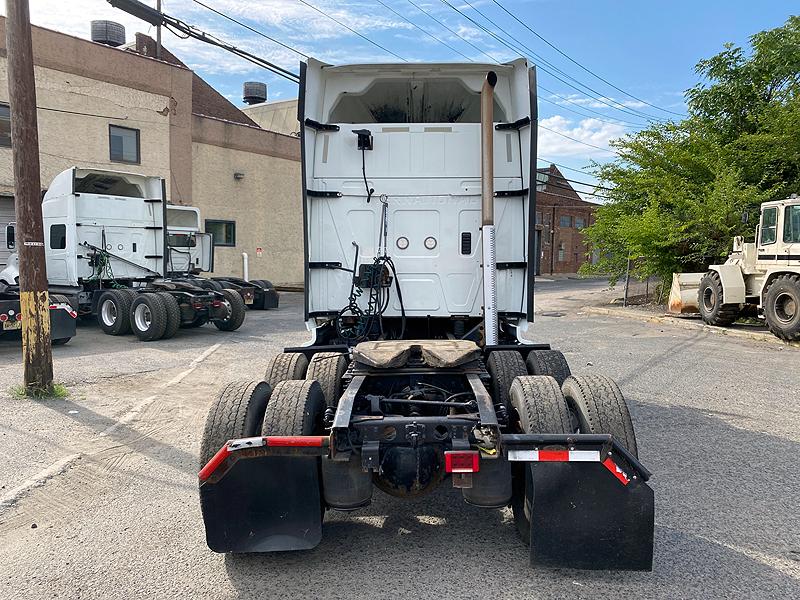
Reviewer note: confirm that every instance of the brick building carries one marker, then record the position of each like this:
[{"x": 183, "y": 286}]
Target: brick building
[{"x": 561, "y": 214}]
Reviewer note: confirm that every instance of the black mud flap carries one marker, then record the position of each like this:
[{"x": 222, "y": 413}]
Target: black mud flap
[
  {"x": 590, "y": 516},
  {"x": 264, "y": 504}
]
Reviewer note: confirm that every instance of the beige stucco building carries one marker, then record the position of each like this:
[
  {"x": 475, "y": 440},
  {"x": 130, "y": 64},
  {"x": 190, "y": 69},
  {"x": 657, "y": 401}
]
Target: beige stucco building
[
  {"x": 121, "y": 109},
  {"x": 279, "y": 115}
]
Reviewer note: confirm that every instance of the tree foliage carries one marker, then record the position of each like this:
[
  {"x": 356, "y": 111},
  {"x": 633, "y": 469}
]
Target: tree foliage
[{"x": 679, "y": 189}]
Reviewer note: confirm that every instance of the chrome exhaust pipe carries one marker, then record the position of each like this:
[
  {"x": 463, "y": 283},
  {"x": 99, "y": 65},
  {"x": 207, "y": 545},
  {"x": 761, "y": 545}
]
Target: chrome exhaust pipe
[{"x": 490, "y": 325}]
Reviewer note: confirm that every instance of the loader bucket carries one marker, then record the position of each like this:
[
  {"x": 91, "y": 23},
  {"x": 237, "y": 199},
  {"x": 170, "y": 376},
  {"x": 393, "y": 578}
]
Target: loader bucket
[
  {"x": 264, "y": 504},
  {"x": 683, "y": 293},
  {"x": 589, "y": 516}
]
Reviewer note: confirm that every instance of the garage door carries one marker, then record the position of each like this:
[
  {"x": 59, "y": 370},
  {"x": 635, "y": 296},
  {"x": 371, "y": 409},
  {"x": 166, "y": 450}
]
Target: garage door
[{"x": 6, "y": 216}]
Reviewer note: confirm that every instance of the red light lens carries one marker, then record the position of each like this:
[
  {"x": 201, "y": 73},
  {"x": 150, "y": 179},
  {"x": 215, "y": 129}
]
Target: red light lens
[
  {"x": 19, "y": 316},
  {"x": 217, "y": 303},
  {"x": 3, "y": 318},
  {"x": 462, "y": 461}
]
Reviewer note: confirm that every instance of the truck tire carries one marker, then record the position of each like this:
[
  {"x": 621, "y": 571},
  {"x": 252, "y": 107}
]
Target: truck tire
[
  {"x": 328, "y": 368},
  {"x": 295, "y": 408},
  {"x": 148, "y": 317},
  {"x": 709, "y": 302},
  {"x": 209, "y": 284},
  {"x": 236, "y": 312},
  {"x": 285, "y": 366},
  {"x": 600, "y": 407},
  {"x": 542, "y": 409},
  {"x": 173, "y": 315},
  {"x": 113, "y": 310},
  {"x": 548, "y": 362},
  {"x": 504, "y": 366},
  {"x": 237, "y": 412},
  {"x": 782, "y": 307}
]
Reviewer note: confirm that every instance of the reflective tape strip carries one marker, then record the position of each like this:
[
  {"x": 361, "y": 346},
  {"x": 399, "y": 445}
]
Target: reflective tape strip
[
  {"x": 616, "y": 471},
  {"x": 554, "y": 455}
]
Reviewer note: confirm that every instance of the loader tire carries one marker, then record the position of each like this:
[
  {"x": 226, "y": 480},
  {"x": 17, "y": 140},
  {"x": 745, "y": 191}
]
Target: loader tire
[
  {"x": 236, "y": 312},
  {"x": 782, "y": 307},
  {"x": 542, "y": 409},
  {"x": 113, "y": 310},
  {"x": 238, "y": 412},
  {"x": 600, "y": 407},
  {"x": 173, "y": 315},
  {"x": 148, "y": 317},
  {"x": 328, "y": 368},
  {"x": 548, "y": 362},
  {"x": 295, "y": 408},
  {"x": 504, "y": 366},
  {"x": 709, "y": 302},
  {"x": 282, "y": 367}
]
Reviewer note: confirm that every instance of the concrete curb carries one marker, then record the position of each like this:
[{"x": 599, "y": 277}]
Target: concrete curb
[{"x": 631, "y": 313}]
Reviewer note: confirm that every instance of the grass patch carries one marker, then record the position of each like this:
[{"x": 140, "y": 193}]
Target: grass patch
[{"x": 59, "y": 391}]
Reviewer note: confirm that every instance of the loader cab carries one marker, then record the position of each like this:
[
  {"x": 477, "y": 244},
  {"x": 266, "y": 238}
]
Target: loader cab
[{"x": 778, "y": 235}]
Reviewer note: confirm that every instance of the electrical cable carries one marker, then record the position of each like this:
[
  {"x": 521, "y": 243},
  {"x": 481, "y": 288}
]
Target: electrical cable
[
  {"x": 376, "y": 44},
  {"x": 577, "y": 140},
  {"x": 565, "y": 55}
]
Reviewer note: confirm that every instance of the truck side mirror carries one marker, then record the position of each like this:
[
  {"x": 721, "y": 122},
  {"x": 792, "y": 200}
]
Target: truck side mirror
[{"x": 10, "y": 240}]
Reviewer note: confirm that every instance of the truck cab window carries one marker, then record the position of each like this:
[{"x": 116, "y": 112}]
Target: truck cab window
[
  {"x": 58, "y": 237},
  {"x": 769, "y": 225},
  {"x": 791, "y": 225}
]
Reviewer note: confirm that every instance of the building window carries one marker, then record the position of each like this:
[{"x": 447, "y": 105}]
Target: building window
[
  {"x": 58, "y": 237},
  {"x": 5, "y": 126},
  {"x": 562, "y": 252},
  {"x": 538, "y": 217},
  {"x": 565, "y": 221},
  {"x": 580, "y": 222},
  {"x": 224, "y": 232},
  {"x": 124, "y": 144}
]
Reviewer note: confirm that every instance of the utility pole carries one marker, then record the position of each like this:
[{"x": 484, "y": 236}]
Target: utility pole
[
  {"x": 34, "y": 301},
  {"x": 158, "y": 33}
]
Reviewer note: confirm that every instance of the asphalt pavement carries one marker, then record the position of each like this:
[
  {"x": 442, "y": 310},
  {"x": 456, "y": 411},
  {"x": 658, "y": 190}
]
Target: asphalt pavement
[{"x": 98, "y": 491}]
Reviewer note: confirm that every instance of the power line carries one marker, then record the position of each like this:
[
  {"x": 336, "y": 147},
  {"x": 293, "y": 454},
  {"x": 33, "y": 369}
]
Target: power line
[
  {"x": 547, "y": 160},
  {"x": 376, "y": 44},
  {"x": 562, "y": 107},
  {"x": 565, "y": 55},
  {"x": 429, "y": 34},
  {"x": 463, "y": 39},
  {"x": 246, "y": 26},
  {"x": 577, "y": 140},
  {"x": 598, "y": 95}
]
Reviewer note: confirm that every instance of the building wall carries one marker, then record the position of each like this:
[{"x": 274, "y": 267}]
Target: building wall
[
  {"x": 280, "y": 117},
  {"x": 265, "y": 203}
]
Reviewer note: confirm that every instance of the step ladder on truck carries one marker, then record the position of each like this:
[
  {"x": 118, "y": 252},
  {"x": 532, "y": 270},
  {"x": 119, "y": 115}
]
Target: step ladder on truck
[{"x": 419, "y": 213}]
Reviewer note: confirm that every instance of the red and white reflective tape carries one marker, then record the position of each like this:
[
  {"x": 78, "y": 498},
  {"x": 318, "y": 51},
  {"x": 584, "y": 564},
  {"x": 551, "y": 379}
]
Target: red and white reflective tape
[{"x": 569, "y": 456}]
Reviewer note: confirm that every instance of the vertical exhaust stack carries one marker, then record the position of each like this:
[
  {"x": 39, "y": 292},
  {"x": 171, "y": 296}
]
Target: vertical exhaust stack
[{"x": 487, "y": 210}]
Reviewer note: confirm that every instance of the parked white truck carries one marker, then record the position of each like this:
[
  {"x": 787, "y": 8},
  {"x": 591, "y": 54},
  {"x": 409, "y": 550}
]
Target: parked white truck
[
  {"x": 105, "y": 244},
  {"x": 764, "y": 274}
]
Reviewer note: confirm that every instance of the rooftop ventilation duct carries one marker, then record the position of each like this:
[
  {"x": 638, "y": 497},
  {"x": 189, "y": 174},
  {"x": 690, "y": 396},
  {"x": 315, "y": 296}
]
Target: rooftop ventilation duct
[
  {"x": 254, "y": 92},
  {"x": 108, "y": 33}
]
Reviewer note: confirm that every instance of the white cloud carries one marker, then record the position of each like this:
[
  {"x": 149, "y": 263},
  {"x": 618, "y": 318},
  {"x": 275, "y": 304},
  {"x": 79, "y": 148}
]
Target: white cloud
[
  {"x": 587, "y": 131},
  {"x": 599, "y": 102}
]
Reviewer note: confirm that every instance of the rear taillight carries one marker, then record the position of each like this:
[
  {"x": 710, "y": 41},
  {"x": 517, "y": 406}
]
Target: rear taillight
[
  {"x": 462, "y": 461},
  {"x": 19, "y": 317},
  {"x": 216, "y": 303},
  {"x": 197, "y": 305},
  {"x": 3, "y": 318}
]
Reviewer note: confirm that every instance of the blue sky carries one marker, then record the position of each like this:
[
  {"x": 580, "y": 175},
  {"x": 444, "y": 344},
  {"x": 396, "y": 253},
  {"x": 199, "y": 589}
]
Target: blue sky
[{"x": 648, "y": 49}]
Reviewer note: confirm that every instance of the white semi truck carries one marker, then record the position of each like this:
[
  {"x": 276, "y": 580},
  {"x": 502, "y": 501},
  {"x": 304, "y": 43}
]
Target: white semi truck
[
  {"x": 106, "y": 253},
  {"x": 419, "y": 204}
]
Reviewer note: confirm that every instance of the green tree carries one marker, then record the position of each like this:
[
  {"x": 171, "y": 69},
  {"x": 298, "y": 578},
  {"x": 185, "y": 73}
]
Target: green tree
[{"x": 679, "y": 189}]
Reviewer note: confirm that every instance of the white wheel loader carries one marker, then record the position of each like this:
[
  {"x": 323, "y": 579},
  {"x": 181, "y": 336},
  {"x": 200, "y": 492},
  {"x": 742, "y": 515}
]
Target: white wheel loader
[
  {"x": 419, "y": 194},
  {"x": 764, "y": 274}
]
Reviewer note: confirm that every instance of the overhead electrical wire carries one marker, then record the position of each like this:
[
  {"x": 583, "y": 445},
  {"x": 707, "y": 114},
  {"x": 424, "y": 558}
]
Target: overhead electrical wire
[
  {"x": 426, "y": 32},
  {"x": 577, "y": 140},
  {"x": 463, "y": 39},
  {"x": 587, "y": 108},
  {"x": 362, "y": 36},
  {"x": 585, "y": 68},
  {"x": 599, "y": 96},
  {"x": 246, "y": 26}
]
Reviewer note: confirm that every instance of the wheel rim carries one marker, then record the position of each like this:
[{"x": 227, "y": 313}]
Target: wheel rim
[
  {"x": 709, "y": 299},
  {"x": 142, "y": 317},
  {"x": 108, "y": 313},
  {"x": 785, "y": 307},
  {"x": 228, "y": 310}
]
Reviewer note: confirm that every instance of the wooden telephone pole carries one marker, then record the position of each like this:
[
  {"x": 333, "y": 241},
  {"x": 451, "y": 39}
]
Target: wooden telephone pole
[{"x": 34, "y": 301}]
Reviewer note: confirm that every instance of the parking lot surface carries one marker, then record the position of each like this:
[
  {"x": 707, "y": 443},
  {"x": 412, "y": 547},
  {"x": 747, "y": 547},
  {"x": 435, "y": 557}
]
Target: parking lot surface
[{"x": 99, "y": 490}]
